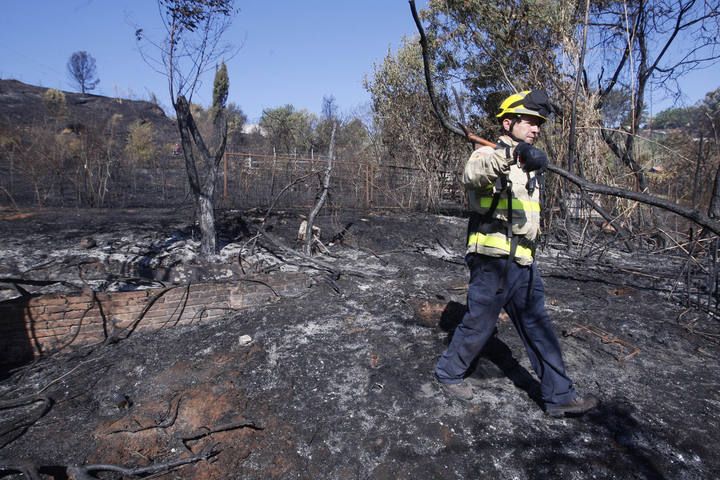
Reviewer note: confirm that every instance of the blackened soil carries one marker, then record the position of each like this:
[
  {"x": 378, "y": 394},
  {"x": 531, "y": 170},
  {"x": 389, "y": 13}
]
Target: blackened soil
[{"x": 337, "y": 384}]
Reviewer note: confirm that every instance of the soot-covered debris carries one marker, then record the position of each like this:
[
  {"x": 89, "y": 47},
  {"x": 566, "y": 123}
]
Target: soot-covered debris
[{"x": 338, "y": 383}]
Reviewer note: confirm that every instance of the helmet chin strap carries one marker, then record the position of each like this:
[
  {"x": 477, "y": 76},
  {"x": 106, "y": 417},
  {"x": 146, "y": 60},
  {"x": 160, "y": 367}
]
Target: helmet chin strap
[{"x": 512, "y": 126}]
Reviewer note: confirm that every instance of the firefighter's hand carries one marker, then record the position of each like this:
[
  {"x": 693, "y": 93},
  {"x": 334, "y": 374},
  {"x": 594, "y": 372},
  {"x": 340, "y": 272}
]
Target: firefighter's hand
[{"x": 530, "y": 158}]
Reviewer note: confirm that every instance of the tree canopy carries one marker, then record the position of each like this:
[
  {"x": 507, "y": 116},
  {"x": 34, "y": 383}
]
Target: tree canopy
[{"x": 82, "y": 71}]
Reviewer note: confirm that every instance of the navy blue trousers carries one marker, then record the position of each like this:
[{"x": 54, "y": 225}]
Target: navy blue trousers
[{"x": 527, "y": 312}]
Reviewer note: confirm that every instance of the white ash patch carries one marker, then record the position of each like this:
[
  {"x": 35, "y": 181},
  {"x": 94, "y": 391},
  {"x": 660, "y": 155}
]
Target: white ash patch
[
  {"x": 441, "y": 251},
  {"x": 231, "y": 252},
  {"x": 362, "y": 261},
  {"x": 181, "y": 252},
  {"x": 302, "y": 332}
]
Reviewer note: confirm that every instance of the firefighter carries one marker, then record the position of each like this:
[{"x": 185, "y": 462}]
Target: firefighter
[{"x": 504, "y": 227}]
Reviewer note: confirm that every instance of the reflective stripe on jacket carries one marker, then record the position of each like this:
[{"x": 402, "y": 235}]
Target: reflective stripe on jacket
[{"x": 482, "y": 171}]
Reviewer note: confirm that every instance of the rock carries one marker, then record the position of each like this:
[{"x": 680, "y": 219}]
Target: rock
[
  {"x": 87, "y": 242},
  {"x": 121, "y": 401}
]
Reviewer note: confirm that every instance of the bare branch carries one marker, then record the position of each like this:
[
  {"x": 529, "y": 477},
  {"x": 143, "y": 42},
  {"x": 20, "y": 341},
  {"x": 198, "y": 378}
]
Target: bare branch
[
  {"x": 87, "y": 472},
  {"x": 321, "y": 200},
  {"x": 428, "y": 77},
  {"x": 690, "y": 214},
  {"x": 586, "y": 186}
]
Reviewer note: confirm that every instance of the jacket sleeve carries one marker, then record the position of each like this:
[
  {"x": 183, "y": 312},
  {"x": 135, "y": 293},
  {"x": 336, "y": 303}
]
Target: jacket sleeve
[{"x": 484, "y": 166}]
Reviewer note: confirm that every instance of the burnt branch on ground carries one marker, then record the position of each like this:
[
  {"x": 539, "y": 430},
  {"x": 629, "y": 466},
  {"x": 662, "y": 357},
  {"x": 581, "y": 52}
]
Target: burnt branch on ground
[
  {"x": 16, "y": 282},
  {"x": 226, "y": 427},
  {"x": 28, "y": 470},
  {"x": 168, "y": 421},
  {"x": 15, "y": 428},
  {"x": 313, "y": 263},
  {"x": 87, "y": 472}
]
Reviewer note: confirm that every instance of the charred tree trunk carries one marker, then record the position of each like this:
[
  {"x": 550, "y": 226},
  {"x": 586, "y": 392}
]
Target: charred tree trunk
[
  {"x": 714, "y": 209},
  {"x": 208, "y": 243},
  {"x": 321, "y": 200},
  {"x": 202, "y": 183}
]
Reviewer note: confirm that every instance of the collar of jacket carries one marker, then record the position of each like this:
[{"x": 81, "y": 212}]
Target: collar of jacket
[{"x": 507, "y": 140}]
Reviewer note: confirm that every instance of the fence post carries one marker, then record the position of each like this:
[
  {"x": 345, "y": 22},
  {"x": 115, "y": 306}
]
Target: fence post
[
  {"x": 367, "y": 185},
  {"x": 272, "y": 176}
]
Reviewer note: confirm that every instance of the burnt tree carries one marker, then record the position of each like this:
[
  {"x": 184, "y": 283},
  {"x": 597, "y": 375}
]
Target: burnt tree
[
  {"x": 82, "y": 71},
  {"x": 190, "y": 49},
  {"x": 307, "y": 249},
  {"x": 706, "y": 221},
  {"x": 646, "y": 31},
  {"x": 201, "y": 163}
]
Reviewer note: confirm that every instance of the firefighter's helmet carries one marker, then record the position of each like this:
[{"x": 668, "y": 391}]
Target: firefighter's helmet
[{"x": 529, "y": 102}]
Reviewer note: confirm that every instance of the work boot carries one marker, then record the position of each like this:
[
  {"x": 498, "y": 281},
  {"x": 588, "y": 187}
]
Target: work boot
[
  {"x": 461, "y": 391},
  {"x": 574, "y": 408}
]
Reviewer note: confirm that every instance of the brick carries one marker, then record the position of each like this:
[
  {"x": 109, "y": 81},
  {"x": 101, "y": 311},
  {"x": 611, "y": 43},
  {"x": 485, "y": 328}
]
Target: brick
[
  {"x": 47, "y": 300},
  {"x": 137, "y": 296},
  {"x": 83, "y": 339},
  {"x": 34, "y": 310},
  {"x": 102, "y": 297},
  {"x": 53, "y": 319},
  {"x": 78, "y": 314},
  {"x": 80, "y": 306},
  {"x": 97, "y": 327},
  {"x": 197, "y": 302},
  {"x": 36, "y": 319},
  {"x": 168, "y": 306},
  {"x": 125, "y": 313},
  {"x": 36, "y": 324},
  {"x": 159, "y": 320},
  {"x": 122, "y": 323},
  {"x": 179, "y": 295},
  {"x": 55, "y": 309},
  {"x": 47, "y": 333},
  {"x": 124, "y": 317},
  {"x": 88, "y": 320},
  {"x": 79, "y": 300},
  {"x": 130, "y": 303},
  {"x": 65, "y": 317}
]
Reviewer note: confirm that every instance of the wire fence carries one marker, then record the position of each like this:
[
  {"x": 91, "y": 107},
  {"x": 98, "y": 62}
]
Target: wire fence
[
  {"x": 245, "y": 180},
  {"x": 292, "y": 182},
  {"x": 252, "y": 179}
]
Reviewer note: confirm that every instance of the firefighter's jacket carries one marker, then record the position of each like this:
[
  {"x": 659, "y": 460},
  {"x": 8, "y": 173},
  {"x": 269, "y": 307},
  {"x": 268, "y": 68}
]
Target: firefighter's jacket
[{"x": 487, "y": 171}]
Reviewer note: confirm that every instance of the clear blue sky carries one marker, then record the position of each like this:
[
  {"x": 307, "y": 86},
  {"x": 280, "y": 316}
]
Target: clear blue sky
[{"x": 290, "y": 51}]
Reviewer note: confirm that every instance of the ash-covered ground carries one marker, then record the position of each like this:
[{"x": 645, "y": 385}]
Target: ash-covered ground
[{"x": 337, "y": 383}]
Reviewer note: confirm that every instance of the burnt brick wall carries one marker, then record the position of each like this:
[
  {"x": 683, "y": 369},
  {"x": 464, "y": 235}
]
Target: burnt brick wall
[{"x": 31, "y": 327}]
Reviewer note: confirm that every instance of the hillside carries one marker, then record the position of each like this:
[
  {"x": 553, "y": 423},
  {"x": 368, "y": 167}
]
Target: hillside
[
  {"x": 84, "y": 150},
  {"x": 21, "y": 105}
]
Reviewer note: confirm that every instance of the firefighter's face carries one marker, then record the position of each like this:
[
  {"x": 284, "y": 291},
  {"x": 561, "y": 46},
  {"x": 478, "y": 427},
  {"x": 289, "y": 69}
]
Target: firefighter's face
[{"x": 526, "y": 128}]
